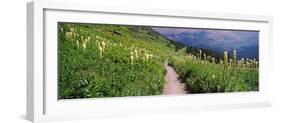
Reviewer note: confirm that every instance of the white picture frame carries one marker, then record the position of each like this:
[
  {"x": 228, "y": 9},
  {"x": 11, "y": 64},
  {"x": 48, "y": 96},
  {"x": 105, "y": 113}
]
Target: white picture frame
[{"x": 42, "y": 103}]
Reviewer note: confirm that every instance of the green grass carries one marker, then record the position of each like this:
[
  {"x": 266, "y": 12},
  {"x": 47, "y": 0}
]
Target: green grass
[
  {"x": 115, "y": 61},
  {"x": 205, "y": 77},
  {"x": 83, "y": 73}
]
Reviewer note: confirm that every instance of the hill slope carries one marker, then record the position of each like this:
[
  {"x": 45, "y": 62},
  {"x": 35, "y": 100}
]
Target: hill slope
[
  {"x": 109, "y": 61},
  {"x": 97, "y": 60}
]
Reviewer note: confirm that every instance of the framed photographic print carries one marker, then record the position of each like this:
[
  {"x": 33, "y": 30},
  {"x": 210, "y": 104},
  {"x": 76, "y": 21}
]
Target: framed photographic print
[{"x": 86, "y": 60}]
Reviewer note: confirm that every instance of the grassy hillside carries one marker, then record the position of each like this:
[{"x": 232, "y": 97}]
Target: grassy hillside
[
  {"x": 109, "y": 61},
  {"x": 98, "y": 60}
]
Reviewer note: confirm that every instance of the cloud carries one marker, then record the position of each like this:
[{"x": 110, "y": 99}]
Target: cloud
[{"x": 236, "y": 38}]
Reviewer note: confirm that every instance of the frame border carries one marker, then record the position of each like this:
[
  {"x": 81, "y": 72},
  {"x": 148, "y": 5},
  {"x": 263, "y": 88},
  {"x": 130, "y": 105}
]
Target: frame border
[{"x": 36, "y": 46}]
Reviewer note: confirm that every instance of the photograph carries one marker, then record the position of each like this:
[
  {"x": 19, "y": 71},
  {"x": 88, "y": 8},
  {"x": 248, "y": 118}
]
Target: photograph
[{"x": 114, "y": 60}]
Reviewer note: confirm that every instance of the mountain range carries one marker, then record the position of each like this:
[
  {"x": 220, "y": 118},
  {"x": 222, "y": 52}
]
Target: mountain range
[{"x": 246, "y": 43}]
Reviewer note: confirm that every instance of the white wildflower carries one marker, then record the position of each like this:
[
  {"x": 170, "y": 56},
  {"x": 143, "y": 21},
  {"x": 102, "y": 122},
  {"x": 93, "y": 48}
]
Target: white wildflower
[
  {"x": 103, "y": 46},
  {"x": 77, "y": 43},
  {"x": 213, "y": 76},
  {"x": 100, "y": 49},
  {"x": 132, "y": 59},
  {"x": 84, "y": 45},
  {"x": 72, "y": 29}
]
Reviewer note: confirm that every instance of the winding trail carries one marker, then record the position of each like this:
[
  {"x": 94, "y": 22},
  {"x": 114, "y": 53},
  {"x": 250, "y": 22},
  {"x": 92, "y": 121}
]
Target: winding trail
[{"x": 173, "y": 85}]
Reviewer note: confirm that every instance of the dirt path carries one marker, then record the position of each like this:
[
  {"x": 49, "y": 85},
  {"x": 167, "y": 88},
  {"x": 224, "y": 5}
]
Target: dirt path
[{"x": 173, "y": 84}]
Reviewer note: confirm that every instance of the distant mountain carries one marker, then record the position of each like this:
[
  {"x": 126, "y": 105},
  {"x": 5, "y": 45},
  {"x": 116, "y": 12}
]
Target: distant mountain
[{"x": 245, "y": 42}]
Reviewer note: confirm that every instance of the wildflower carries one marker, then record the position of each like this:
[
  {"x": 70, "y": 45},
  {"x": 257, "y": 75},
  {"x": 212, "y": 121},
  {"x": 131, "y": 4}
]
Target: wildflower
[
  {"x": 214, "y": 76},
  {"x": 247, "y": 64},
  {"x": 100, "y": 49},
  {"x": 239, "y": 62},
  {"x": 204, "y": 56},
  {"x": 132, "y": 59},
  {"x": 221, "y": 61},
  {"x": 72, "y": 29},
  {"x": 147, "y": 57},
  {"x": 103, "y": 44},
  {"x": 225, "y": 58},
  {"x": 200, "y": 54},
  {"x": 74, "y": 35},
  {"x": 67, "y": 34},
  {"x": 213, "y": 60},
  {"x": 234, "y": 57},
  {"x": 97, "y": 43},
  {"x": 77, "y": 43},
  {"x": 136, "y": 53},
  {"x": 231, "y": 61},
  {"x": 84, "y": 45},
  {"x": 242, "y": 62},
  {"x": 137, "y": 56}
]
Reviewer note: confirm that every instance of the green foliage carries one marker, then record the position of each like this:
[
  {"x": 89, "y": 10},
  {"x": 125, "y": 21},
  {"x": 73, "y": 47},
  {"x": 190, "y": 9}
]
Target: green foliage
[
  {"x": 84, "y": 73},
  {"x": 98, "y": 60},
  {"x": 202, "y": 76}
]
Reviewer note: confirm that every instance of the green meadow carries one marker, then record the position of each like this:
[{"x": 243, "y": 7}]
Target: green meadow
[{"x": 98, "y": 60}]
